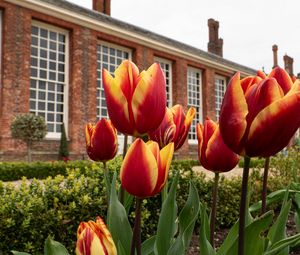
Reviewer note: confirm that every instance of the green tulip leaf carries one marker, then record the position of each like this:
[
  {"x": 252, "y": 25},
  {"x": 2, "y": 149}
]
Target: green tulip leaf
[
  {"x": 254, "y": 243},
  {"x": 166, "y": 228},
  {"x": 20, "y": 253},
  {"x": 54, "y": 248},
  {"x": 278, "y": 230},
  {"x": 117, "y": 220},
  {"x": 205, "y": 246},
  {"x": 148, "y": 246},
  {"x": 128, "y": 199},
  {"x": 277, "y": 247},
  {"x": 187, "y": 220},
  {"x": 121, "y": 250},
  {"x": 297, "y": 211}
]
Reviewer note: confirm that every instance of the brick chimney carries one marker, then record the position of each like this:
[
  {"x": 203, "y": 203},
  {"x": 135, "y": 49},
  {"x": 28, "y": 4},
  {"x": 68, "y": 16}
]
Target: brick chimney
[
  {"x": 102, "y": 6},
  {"x": 215, "y": 44},
  {"x": 288, "y": 64},
  {"x": 275, "y": 56}
]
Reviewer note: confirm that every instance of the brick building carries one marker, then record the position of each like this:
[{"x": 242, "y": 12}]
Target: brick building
[{"x": 52, "y": 53}]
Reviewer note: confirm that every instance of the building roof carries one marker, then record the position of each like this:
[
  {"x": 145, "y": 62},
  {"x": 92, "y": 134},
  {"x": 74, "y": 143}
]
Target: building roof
[{"x": 144, "y": 33}]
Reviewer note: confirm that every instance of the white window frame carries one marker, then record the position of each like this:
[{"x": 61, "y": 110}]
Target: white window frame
[
  {"x": 169, "y": 82},
  {"x": 99, "y": 79},
  {"x": 57, "y": 135},
  {"x": 219, "y": 94},
  {"x": 199, "y": 107}
]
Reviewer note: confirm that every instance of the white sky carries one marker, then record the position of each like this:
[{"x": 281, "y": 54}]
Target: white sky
[{"x": 248, "y": 28}]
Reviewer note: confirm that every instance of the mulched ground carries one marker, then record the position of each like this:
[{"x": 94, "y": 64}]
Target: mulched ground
[{"x": 222, "y": 233}]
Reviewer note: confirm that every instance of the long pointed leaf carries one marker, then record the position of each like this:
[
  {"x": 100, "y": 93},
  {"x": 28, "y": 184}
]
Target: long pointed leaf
[
  {"x": 167, "y": 221},
  {"x": 148, "y": 246},
  {"x": 20, "y": 253},
  {"x": 279, "y": 246},
  {"x": 117, "y": 221},
  {"x": 278, "y": 230},
  {"x": 205, "y": 246},
  {"x": 187, "y": 219}
]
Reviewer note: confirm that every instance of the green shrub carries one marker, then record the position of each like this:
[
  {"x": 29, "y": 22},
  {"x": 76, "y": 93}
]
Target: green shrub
[{"x": 11, "y": 171}]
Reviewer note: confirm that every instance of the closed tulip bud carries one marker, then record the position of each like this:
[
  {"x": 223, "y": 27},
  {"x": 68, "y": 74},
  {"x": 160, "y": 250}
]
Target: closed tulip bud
[
  {"x": 101, "y": 140},
  {"x": 144, "y": 170},
  {"x": 213, "y": 154},
  {"x": 174, "y": 127},
  {"x": 93, "y": 238},
  {"x": 136, "y": 102},
  {"x": 259, "y": 115}
]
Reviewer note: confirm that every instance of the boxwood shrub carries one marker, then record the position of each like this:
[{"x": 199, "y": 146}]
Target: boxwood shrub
[{"x": 33, "y": 209}]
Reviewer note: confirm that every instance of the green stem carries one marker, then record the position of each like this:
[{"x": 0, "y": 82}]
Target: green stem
[
  {"x": 136, "y": 237},
  {"x": 265, "y": 186},
  {"x": 214, "y": 210},
  {"x": 107, "y": 181},
  {"x": 122, "y": 191},
  {"x": 243, "y": 202}
]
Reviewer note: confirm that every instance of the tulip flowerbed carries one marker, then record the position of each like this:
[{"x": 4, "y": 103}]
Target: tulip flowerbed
[{"x": 258, "y": 118}]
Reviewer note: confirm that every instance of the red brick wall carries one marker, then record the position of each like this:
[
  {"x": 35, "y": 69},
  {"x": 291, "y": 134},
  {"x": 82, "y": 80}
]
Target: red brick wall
[{"x": 82, "y": 81}]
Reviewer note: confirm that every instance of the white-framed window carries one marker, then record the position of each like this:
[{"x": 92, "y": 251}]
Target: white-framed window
[
  {"x": 194, "y": 88},
  {"x": 220, "y": 88},
  {"x": 49, "y": 76},
  {"x": 109, "y": 56},
  {"x": 166, "y": 66}
]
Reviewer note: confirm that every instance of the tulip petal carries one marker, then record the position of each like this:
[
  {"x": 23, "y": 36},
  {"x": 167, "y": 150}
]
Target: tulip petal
[
  {"x": 218, "y": 157},
  {"x": 89, "y": 130},
  {"x": 247, "y": 82},
  {"x": 166, "y": 155},
  {"x": 283, "y": 78},
  {"x": 274, "y": 126},
  {"x": 139, "y": 171},
  {"x": 261, "y": 95},
  {"x": 149, "y": 99},
  {"x": 84, "y": 242},
  {"x": 233, "y": 114},
  {"x": 117, "y": 105}
]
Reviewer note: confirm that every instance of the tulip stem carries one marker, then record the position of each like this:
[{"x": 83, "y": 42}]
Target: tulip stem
[
  {"x": 243, "y": 202},
  {"x": 136, "y": 237},
  {"x": 265, "y": 185},
  {"x": 122, "y": 191},
  {"x": 214, "y": 210},
  {"x": 107, "y": 181}
]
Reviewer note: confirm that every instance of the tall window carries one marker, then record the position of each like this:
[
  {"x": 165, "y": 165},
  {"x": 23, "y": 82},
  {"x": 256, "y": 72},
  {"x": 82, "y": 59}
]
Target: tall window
[
  {"x": 166, "y": 66},
  {"x": 220, "y": 88},
  {"x": 109, "y": 57},
  {"x": 48, "y": 76},
  {"x": 194, "y": 99}
]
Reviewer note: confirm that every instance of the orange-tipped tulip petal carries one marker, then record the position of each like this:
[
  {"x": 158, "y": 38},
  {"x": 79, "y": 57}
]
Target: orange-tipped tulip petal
[
  {"x": 144, "y": 169},
  {"x": 135, "y": 101},
  {"x": 268, "y": 112},
  {"x": 93, "y": 238},
  {"x": 101, "y": 140},
  {"x": 213, "y": 154},
  {"x": 174, "y": 127}
]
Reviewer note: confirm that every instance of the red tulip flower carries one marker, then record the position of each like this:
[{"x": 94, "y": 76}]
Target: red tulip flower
[
  {"x": 93, "y": 238},
  {"x": 174, "y": 127},
  {"x": 101, "y": 140},
  {"x": 214, "y": 155},
  {"x": 144, "y": 170},
  {"x": 136, "y": 102},
  {"x": 260, "y": 114}
]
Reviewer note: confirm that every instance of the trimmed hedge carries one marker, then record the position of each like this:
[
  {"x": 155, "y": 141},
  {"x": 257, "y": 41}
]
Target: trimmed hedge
[
  {"x": 34, "y": 209},
  {"x": 11, "y": 171}
]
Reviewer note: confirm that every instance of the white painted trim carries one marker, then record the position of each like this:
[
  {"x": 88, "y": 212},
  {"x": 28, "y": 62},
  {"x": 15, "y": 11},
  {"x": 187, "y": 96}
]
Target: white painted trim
[
  {"x": 170, "y": 63},
  {"x": 54, "y": 135},
  {"x": 97, "y": 25}
]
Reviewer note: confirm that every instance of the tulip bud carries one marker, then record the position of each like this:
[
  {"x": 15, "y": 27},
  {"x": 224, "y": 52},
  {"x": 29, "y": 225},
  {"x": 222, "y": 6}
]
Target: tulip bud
[
  {"x": 174, "y": 127},
  {"x": 136, "y": 102},
  {"x": 93, "y": 238},
  {"x": 259, "y": 115},
  {"x": 101, "y": 140},
  {"x": 213, "y": 154},
  {"x": 144, "y": 170}
]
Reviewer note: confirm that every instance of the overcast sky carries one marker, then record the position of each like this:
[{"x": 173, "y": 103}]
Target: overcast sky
[{"x": 248, "y": 28}]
